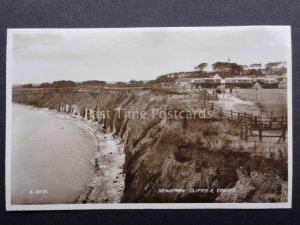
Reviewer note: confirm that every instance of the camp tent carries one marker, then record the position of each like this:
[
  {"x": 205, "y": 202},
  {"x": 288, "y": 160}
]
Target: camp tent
[{"x": 257, "y": 86}]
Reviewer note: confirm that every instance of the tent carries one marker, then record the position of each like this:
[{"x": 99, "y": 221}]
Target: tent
[
  {"x": 257, "y": 86},
  {"x": 217, "y": 76}
]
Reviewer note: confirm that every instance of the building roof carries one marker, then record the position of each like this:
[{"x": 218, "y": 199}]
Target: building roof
[
  {"x": 240, "y": 78},
  {"x": 283, "y": 76},
  {"x": 268, "y": 77},
  {"x": 256, "y": 85},
  {"x": 217, "y": 76},
  {"x": 272, "y": 76}
]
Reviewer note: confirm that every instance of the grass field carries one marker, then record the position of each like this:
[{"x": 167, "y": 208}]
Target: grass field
[{"x": 265, "y": 99}]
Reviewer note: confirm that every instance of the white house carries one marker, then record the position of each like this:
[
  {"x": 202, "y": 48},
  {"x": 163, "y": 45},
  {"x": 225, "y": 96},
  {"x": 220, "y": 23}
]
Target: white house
[
  {"x": 184, "y": 82},
  {"x": 282, "y": 78}
]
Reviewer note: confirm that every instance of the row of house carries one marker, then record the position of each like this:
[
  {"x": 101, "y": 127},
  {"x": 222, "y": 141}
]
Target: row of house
[{"x": 268, "y": 81}]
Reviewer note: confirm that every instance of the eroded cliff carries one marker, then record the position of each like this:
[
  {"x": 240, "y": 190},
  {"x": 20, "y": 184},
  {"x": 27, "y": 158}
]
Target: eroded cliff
[{"x": 198, "y": 159}]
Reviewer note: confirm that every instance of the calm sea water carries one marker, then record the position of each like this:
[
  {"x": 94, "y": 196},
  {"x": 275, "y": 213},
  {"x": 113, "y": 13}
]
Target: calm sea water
[{"x": 50, "y": 158}]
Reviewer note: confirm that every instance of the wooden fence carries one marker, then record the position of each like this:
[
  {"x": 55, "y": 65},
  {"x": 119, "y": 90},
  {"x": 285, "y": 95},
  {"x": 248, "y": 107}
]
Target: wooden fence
[
  {"x": 205, "y": 95},
  {"x": 250, "y": 122}
]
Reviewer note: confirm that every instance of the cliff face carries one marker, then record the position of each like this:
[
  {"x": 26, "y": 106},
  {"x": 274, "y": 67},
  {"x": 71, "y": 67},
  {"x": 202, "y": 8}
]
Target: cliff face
[{"x": 195, "y": 158}]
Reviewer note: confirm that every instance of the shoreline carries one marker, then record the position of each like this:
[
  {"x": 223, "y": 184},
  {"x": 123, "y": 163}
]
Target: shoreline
[{"x": 107, "y": 183}]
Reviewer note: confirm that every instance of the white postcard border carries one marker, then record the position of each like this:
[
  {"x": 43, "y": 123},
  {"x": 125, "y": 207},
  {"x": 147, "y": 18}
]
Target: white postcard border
[{"x": 8, "y": 137}]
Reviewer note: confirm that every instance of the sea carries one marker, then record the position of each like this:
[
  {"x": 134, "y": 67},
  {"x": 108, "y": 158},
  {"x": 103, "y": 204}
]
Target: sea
[{"x": 50, "y": 158}]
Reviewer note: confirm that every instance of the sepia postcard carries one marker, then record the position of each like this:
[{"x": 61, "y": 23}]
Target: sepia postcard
[{"x": 142, "y": 118}]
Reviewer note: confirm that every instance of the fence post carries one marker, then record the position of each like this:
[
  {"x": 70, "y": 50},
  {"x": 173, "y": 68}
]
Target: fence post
[
  {"x": 260, "y": 131},
  {"x": 282, "y": 136},
  {"x": 251, "y": 124},
  {"x": 231, "y": 113},
  {"x": 286, "y": 122},
  {"x": 271, "y": 119},
  {"x": 271, "y": 114},
  {"x": 241, "y": 134},
  {"x": 283, "y": 133},
  {"x": 246, "y": 128}
]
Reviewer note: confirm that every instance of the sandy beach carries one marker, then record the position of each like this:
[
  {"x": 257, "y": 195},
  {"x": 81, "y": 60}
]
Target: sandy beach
[
  {"x": 108, "y": 183},
  {"x": 60, "y": 159}
]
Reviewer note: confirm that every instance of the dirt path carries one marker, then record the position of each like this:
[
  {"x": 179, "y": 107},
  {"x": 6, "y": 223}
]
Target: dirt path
[{"x": 236, "y": 104}]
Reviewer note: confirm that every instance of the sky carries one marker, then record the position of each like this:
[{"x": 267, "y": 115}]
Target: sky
[{"x": 46, "y": 55}]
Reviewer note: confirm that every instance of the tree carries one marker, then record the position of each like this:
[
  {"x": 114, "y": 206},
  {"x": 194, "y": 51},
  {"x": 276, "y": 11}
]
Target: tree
[
  {"x": 92, "y": 83},
  {"x": 201, "y": 67},
  {"x": 27, "y": 86},
  {"x": 120, "y": 83},
  {"x": 245, "y": 67},
  {"x": 255, "y": 69},
  {"x": 273, "y": 67},
  {"x": 139, "y": 82},
  {"x": 280, "y": 71},
  {"x": 221, "y": 66},
  {"x": 236, "y": 69},
  {"x": 63, "y": 84},
  {"x": 132, "y": 81},
  {"x": 228, "y": 69},
  {"x": 166, "y": 78},
  {"x": 44, "y": 85},
  {"x": 256, "y": 65}
]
